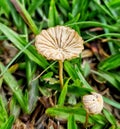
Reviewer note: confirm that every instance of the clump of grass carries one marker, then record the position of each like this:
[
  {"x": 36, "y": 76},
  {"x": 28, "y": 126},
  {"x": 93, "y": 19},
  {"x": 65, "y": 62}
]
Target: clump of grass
[{"x": 23, "y": 95}]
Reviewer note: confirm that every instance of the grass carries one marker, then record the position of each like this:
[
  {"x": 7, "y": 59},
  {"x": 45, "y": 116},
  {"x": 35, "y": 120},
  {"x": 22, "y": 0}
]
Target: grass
[{"x": 23, "y": 94}]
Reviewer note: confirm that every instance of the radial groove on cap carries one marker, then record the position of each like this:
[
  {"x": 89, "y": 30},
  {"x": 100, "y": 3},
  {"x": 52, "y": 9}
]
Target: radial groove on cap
[{"x": 59, "y": 43}]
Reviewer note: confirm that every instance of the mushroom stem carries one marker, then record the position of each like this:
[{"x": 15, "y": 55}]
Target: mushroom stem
[
  {"x": 61, "y": 73},
  {"x": 86, "y": 120}
]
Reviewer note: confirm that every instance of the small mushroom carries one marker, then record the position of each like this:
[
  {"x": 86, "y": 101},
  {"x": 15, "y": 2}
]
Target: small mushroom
[
  {"x": 93, "y": 104},
  {"x": 59, "y": 43}
]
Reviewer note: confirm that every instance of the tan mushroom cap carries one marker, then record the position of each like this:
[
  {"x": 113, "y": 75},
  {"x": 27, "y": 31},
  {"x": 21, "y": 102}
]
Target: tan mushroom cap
[
  {"x": 93, "y": 103},
  {"x": 59, "y": 43}
]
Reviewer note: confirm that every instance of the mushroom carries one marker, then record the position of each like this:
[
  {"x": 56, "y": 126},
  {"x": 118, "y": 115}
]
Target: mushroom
[
  {"x": 59, "y": 43},
  {"x": 93, "y": 104}
]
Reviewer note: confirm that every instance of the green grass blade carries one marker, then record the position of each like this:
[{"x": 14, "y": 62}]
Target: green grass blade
[
  {"x": 14, "y": 107},
  {"x": 20, "y": 43},
  {"x": 98, "y": 119},
  {"x": 64, "y": 112},
  {"x": 114, "y": 3},
  {"x": 17, "y": 19},
  {"x": 70, "y": 70},
  {"x": 86, "y": 24},
  {"x": 75, "y": 74},
  {"x": 73, "y": 19},
  {"x": 63, "y": 94},
  {"x": 65, "y": 4},
  {"x": 82, "y": 79},
  {"x": 33, "y": 94},
  {"x": 80, "y": 7},
  {"x": 113, "y": 127},
  {"x": 34, "y": 5},
  {"x": 79, "y": 91},
  {"x": 110, "y": 63},
  {"x": 3, "y": 112},
  {"x": 12, "y": 83},
  {"x": 98, "y": 126},
  {"x": 8, "y": 124},
  {"x": 71, "y": 124},
  {"x": 109, "y": 77},
  {"x": 5, "y": 6},
  {"x": 104, "y": 10},
  {"x": 109, "y": 117},
  {"x": 53, "y": 18},
  {"x": 75, "y": 7},
  {"x": 30, "y": 69},
  {"x": 25, "y": 15},
  {"x": 110, "y": 9},
  {"x": 112, "y": 102},
  {"x": 117, "y": 35},
  {"x": 110, "y": 44}
]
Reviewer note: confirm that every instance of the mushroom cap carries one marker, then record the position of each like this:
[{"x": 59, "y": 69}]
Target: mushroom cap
[
  {"x": 59, "y": 43},
  {"x": 93, "y": 103}
]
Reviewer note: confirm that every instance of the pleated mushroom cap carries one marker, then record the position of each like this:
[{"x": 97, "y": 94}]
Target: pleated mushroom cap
[
  {"x": 93, "y": 103},
  {"x": 59, "y": 43}
]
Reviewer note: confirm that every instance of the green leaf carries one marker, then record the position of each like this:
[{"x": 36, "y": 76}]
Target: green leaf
[
  {"x": 33, "y": 95},
  {"x": 20, "y": 43},
  {"x": 63, "y": 94},
  {"x": 5, "y": 6},
  {"x": 70, "y": 70},
  {"x": 73, "y": 19},
  {"x": 98, "y": 119},
  {"x": 71, "y": 124},
  {"x": 17, "y": 20},
  {"x": 116, "y": 75},
  {"x": 104, "y": 10},
  {"x": 109, "y": 77},
  {"x": 80, "y": 7},
  {"x": 86, "y": 24},
  {"x": 45, "y": 91},
  {"x": 34, "y": 5},
  {"x": 26, "y": 101},
  {"x": 86, "y": 69},
  {"x": 8, "y": 124},
  {"x": 114, "y": 3},
  {"x": 12, "y": 83},
  {"x": 3, "y": 112},
  {"x": 117, "y": 35},
  {"x": 14, "y": 107},
  {"x": 110, "y": 63},
  {"x": 114, "y": 127},
  {"x": 98, "y": 126},
  {"x": 82, "y": 79},
  {"x": 30, "y": 69},
  {"x": 53, "y": 18},
  {"x": 65, "y": 4},
  {"x": 1, "y": 81},
  {"x": 75, "y": 74},
  {"x": 64, "y": 112},
  {"x": 109, "y": 117},
  {"x": 79, "y": 113},
  {"x": 25, "y": 15},
  {"x": 79, "y": 91},
  {"x": 48, "y": 75},
  {"x": 75, "y": 7},
  {"x": 112, "y": 102}
]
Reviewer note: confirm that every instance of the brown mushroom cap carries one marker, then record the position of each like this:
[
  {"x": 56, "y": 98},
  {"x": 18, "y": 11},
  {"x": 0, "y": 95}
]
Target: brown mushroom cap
[{"x": 59, "y": 43}]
